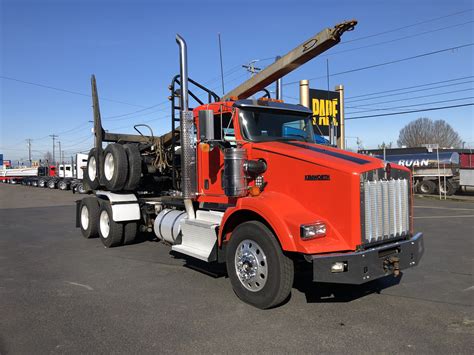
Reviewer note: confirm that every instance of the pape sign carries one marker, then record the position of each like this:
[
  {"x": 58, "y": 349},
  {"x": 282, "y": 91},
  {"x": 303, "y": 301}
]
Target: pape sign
[{"x": 325, "y": 107}]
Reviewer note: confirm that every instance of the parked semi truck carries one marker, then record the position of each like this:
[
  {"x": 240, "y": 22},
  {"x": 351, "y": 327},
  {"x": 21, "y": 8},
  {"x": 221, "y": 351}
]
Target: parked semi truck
[
  {"x": 443, "y": 171},
  {"x": 241, "y": 181},
  {"x": 70, "y": 176},
  {"x": 26, "y": 175}
]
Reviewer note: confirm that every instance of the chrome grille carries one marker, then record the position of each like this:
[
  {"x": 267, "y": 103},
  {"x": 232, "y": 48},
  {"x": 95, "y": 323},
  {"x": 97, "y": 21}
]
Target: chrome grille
[{"x": 386, "y": 209}]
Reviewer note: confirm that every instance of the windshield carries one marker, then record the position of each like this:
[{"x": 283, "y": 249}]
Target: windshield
[{"x": 263, "y": 125}]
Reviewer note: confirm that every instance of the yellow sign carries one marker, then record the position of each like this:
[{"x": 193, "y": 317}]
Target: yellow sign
[{"x": 326, "y": 111}]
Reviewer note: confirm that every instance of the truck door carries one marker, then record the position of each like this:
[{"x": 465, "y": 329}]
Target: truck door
[{"x": 211, "y": 163}]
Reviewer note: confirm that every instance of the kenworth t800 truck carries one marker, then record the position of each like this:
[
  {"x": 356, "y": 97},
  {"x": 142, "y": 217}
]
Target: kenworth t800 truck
[{"x": 241, "y": 181}]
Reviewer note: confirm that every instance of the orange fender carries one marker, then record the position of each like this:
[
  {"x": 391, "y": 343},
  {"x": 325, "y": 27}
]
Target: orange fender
[{"x": 284, "y": 216}]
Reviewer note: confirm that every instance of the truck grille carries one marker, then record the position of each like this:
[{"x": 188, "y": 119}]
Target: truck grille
[{"x": 386, "y": 209}]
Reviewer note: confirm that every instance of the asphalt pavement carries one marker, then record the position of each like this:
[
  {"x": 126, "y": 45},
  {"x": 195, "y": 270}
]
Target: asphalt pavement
[{"x": 61, "y": 293}]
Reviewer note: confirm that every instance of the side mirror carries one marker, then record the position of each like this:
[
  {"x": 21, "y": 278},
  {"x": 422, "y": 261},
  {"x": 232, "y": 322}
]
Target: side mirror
[{"x": 206, "y": 125}]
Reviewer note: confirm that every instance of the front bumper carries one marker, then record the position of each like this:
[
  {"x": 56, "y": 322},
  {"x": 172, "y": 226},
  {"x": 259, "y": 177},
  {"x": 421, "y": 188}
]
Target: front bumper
[{"x": 370, "y": 264}]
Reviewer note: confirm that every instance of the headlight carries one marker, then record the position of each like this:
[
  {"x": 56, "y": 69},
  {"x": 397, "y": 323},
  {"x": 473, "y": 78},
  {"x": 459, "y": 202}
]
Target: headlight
[{"x": 313, "y": 230}]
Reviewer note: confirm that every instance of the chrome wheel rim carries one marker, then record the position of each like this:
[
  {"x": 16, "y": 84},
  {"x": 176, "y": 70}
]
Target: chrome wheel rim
[
  {"x": 84, "y": 217},
  {"x": 424, "y": 189},
  {"x": 92, "y": 168},
  {"x": 251, "y": 265},
  {"x": 109, "y": 166},
  {"x": 104, "y": 224}
]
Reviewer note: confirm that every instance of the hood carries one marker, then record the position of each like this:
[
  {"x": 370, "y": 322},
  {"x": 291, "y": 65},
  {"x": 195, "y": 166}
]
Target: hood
[{"x": 321, "y": 155}]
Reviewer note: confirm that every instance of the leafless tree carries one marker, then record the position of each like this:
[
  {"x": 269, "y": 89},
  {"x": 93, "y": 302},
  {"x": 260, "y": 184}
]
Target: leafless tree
[
  {"x": 385, "y": 145},
  {"x": 426, "y": 131},
  {"x": 48, "y": 157}
]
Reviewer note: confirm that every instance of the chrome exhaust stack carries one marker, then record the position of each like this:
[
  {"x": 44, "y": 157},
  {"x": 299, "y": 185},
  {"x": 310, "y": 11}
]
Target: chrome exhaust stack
[{"x": 188, "y": 151}]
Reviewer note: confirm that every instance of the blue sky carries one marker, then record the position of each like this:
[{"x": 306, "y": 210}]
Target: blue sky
[{"x": 130, "y": 47}]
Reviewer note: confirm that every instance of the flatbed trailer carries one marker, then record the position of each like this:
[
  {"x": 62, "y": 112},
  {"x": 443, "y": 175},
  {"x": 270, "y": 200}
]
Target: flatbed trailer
[
  {"x": 242, "y": 182},
  {"x": 433, "y": 171}
]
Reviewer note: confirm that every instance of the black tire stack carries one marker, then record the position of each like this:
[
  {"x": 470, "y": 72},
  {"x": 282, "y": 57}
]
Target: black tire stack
[{"x": 119, "y": 169}]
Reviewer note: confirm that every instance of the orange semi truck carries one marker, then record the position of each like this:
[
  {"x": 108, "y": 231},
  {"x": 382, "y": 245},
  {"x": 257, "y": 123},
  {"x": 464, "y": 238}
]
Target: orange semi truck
[{"x": 241, "y": 181}]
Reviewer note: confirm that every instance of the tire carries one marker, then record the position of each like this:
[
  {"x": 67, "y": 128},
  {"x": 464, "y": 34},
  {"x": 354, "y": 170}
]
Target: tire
[
  {"x": 42, "y": 182},
  {"x": 274, "y": 272},
  {"x": 91, "y": 173},
  {"x": 134, "y": 167},
  {"x": 450, "y": 189},
  {"x": 63, "y": 185},
  {"x": 110, "y": 232},
  {"x": 52, "y": 183},
  {"x": 130, "y": 232},
  {"x": 115, "y": 167},
  {"x": 89, "y": 217},
  {"x": 80, "y": 188},
  {"x": 426, "y": 187},
  {"x": 34, "y": 183}
]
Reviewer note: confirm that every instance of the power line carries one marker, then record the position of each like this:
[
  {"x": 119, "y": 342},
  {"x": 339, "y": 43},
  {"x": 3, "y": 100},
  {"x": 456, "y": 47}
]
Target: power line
[
  {"x": 388, "y": 63},
  {"x": 411, "y": 91},
  {"x": 137, "y": 111},
  {"x": 413, "y": 111},
  {"x": 82, "y": 141},
  {"x": 121, "y": 118},
  {"x": 396, "y": 39},
  {"x": 415, "y": 97},
  {"x": 64, "y": 90},
  {"x": 404, "y": 106},
  {"x": 409, "y": 87},
  {"x": 407, "y": 26}
]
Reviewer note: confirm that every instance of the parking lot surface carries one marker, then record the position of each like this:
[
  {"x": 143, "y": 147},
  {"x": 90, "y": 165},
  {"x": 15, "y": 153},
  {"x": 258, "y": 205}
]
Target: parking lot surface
[{"x": 61, "y": 293}]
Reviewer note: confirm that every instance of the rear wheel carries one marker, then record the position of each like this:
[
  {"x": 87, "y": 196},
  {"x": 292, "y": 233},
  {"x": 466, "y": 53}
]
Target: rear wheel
[
  {"x": 52, "y": 184},
  {"x": 260, "y": 273},
  {"x": 115, "y": 167},
  {"x": 80, "y": 188},
  {"x": 129, "y": 232},
  {"x": 63, "y": 185},
  {"x": 450, "y": 189},
  {"x": 111, "y": 233},
  {"x": 426, "y": 187},
  {"x": 42, "y": 182},
  {"x": 89, "y": 217}
]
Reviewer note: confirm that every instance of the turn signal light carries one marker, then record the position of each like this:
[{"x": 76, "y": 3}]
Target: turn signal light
[
  {"x": 314, "y": 230},
  {"x": 205, "y": 148},
  {"x": 254, "y": 191}
]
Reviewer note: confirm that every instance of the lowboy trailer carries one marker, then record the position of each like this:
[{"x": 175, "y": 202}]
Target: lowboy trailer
[{"x": 241, "y": 181}]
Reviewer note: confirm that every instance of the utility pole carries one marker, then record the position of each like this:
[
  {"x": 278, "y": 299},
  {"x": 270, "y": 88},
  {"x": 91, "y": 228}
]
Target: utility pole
[
  {"x": 251, "y": 68},
  {"x": 60, "y": 153},
  {"x": 29, "y": 149},
  {"x": 54, "y": 136}
]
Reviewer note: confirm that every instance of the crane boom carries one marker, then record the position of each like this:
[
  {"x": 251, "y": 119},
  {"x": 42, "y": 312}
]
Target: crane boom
[{"x": 306, "y": 51}]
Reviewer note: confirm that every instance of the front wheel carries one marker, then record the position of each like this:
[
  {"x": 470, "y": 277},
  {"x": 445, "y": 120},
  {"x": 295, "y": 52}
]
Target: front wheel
[
  {"x": 261, "y": 275},
  {"x": 426, "y": 187}
]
